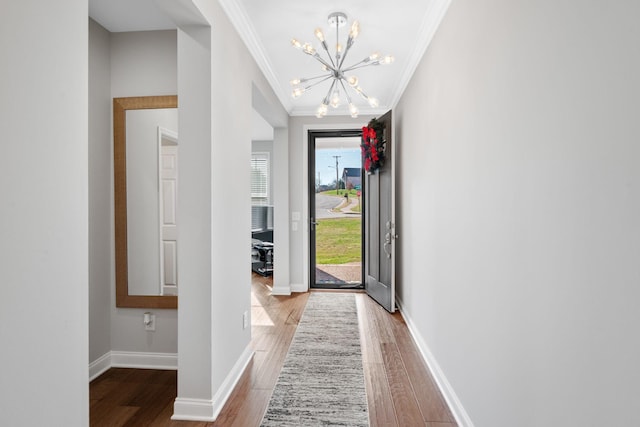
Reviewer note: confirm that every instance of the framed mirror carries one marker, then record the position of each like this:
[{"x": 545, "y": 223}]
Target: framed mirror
[{"x": 145, "y": 146}]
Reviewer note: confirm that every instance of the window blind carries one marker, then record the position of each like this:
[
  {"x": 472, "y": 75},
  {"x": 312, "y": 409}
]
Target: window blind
[{"x": 260, "y": 175}]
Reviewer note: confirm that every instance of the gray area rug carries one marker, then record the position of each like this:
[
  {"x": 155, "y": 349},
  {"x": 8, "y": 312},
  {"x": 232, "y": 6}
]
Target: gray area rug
[{"x": 322, "y": 380}]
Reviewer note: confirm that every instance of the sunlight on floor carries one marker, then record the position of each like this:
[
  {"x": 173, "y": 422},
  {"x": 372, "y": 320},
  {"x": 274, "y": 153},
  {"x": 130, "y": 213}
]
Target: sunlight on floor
[{"x": 259, "y": 316}]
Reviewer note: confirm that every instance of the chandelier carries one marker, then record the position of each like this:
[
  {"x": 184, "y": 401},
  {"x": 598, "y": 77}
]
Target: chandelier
[{"x": 339, "y": 75}]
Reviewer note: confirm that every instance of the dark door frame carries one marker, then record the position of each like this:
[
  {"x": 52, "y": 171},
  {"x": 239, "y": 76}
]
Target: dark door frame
[{"x": 311, "y": 166}]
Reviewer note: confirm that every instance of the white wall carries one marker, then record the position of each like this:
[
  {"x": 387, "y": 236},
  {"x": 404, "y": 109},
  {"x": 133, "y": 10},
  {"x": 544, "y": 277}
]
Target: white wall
[
  {"x": 518, "y": 148},
  {"x": 194, "y": 208},
  {"x": 231, "y": 154},
  {"x": 44, "y": 216},
  {"x": 143, "y": 64},
  {"x": 215, "y": 130},
  {"x": 100, "y": 197}
]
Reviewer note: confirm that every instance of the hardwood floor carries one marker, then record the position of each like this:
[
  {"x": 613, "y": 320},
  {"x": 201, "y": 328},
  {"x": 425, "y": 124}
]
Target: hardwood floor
[{"x": 400, "y": 390}]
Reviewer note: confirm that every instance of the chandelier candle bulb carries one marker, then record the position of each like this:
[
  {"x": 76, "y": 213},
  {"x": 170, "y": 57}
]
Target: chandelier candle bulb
[
  {"x": 353, "y": 110},
  {"x": 355, "y": 30},
  {"x": 335, "y": 99},
  {"x": 308, "y": 49},
  {"x": 297, "y": 92},
  {"x": 322, "y": 110},
  {"x": 295, "y": 43}
]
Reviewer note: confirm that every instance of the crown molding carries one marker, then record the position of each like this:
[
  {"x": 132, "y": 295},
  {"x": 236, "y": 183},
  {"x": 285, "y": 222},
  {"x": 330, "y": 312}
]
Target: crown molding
[
  {"x": 432, "y": 19},
  {"x": 241, "y": 22},
  {"x": 364, "y": 111}
]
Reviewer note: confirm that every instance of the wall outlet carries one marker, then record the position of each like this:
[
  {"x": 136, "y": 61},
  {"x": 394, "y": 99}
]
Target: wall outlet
[
  {"x": 149, "y": 322},
  {"x": 245, "y": 320}
]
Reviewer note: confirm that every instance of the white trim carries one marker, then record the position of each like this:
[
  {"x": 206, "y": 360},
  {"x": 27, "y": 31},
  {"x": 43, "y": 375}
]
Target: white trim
[
  {"x": 143, "y": 360},
  {"x": 459, "y": 413},
  {"x": 193, "y": 410},
  {"x": 281, "y": 290},
  {"x": 99, "y": 366},
  {"x": 363, "y": 111},
  {"x": 227, "y": 386},
  {"x": 240, "y": 20},
  {"x": 298, "y": 287},
  {"x": 432, "y": 19},
  {"x": 129, "y": 359},
  {"x": 208, "y": 410}
]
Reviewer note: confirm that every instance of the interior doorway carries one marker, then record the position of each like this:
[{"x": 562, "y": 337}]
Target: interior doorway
[{"x": 335, "y": 206}]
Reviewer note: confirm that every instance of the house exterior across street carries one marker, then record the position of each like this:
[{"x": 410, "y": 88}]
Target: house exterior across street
[{"x": 353, "y": 176}]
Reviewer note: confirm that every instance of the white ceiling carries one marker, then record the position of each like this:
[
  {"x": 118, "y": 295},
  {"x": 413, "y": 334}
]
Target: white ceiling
[{"x": 402, "y": 29}]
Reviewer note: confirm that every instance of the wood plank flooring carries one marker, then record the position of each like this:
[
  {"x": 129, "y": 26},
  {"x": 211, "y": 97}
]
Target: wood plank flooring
[{"x": 400, "y": 390}]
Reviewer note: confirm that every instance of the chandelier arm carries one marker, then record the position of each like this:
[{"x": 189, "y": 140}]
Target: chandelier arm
[
  {"x": 360, "y": 92},
  {"x": 318, "y": 82},
  {"x": 326, "y": 49},
  {"x": 345, "y": 91},
  {"x": 337, "y": 43},
  {"x": 360, "y": 65},
  {"x": 349, "y": 44},
  {"x": 308, "y": 79},
  {"x": 326, "y": 98},
  {"x": 323, "y": 62}
]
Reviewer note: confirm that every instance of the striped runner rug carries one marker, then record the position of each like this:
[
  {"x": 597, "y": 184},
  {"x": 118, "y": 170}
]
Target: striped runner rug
[{"x": 322, "y": 380}]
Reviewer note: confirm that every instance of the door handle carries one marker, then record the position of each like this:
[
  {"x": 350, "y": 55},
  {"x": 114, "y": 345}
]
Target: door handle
[
  {"x": 313, "y": 223},
  {"x": 387, "y": 242}
]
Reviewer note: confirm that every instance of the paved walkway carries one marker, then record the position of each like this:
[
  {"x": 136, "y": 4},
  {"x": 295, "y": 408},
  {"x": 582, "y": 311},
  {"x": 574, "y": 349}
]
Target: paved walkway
[
  {"x": 326, "y": 206},
  {"x": 339, "y": 273}
]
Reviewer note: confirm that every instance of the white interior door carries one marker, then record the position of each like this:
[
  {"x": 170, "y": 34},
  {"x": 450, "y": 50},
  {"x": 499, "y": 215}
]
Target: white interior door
[{"x": 168, "y": 217}]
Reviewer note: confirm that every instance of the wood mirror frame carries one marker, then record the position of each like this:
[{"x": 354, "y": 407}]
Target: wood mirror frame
[{"x": 120, "y": 107}]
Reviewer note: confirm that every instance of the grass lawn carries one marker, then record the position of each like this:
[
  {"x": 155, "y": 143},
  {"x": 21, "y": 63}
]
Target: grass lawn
[
  {"x": 338, "y": 240},
  {"x": 352, "y": 192}
]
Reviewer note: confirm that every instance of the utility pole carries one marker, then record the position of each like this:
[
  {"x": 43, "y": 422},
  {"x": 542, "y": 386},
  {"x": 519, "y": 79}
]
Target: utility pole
[{"x": 337, "y": 182}]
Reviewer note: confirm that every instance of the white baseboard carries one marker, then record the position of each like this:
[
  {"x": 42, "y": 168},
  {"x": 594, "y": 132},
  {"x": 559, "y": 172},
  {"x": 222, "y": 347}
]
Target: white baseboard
[
  {"x": 281, "y": 290},
  {"x": 227, "y": 386},
  {"x": 287, "y": 290},
  {"x": 140, "y": 360},
  {"x": 208, "y": 410},
  {"x": 299, "y": 287},
  {"x": 99, "y": 366},
  {"x": 193, "y": 410},
  {"x": 461, "y": 416},
  {"x": 128, "y": 359}
]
